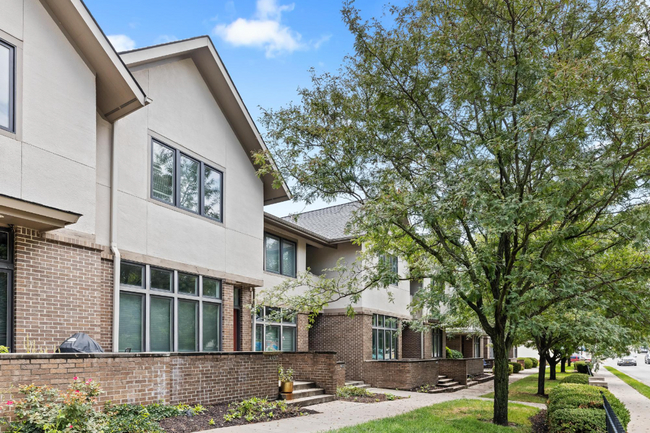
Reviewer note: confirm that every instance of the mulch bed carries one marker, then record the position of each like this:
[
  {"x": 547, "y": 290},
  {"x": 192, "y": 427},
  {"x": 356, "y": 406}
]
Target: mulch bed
[
  {"x": 373, "y": 398},
  {"x": 188, "y": 424},
  {"x": 539, "y": 422}
]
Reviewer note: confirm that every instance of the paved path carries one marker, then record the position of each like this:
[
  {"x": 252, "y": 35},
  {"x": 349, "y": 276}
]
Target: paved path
[
  {"x": 339, "y": 414},
  {"x": 637, "y": 404}
]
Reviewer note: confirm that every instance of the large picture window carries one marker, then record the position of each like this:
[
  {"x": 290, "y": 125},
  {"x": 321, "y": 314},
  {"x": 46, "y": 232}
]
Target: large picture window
[
  {"x": 185, "y": 182},
  {"x": 7, "y": 86},
  {"x": 385, "y": 337},
  {"x": 275, "y": 330},
  {"x": 279, "y": 255},
  {"x": 437, "y": 342},
  {"x": 6, "y": 285},
  {"x": 163, "y": 310}
]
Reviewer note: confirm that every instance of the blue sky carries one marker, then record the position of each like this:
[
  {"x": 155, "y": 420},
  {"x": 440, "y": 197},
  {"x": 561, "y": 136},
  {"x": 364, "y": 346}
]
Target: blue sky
[{"x": 268, "y": 46}]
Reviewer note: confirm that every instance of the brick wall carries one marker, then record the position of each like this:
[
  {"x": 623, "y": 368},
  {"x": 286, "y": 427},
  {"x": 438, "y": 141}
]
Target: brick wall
[
  {"x": 412, "y": 344},
  {"x": 246, "y": 319},
  {"x": 402, "y": 373},
  {"x": 468, "y": 346},
  {"x": 319, "y": 367},
  {"x": 459, "y": 369},
  {"x": 455, "y": 342},
  {"x": 303, "y": 333},
  {"x": 349, "y": 337},
  {"x": 60, "y": 287}
]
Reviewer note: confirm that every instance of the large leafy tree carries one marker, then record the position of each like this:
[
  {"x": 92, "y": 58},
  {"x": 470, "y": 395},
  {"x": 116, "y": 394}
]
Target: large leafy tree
[{"x": 500, "y": 146}]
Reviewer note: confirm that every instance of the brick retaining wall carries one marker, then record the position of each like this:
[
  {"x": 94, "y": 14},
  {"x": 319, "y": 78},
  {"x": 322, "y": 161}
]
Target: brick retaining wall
[
  {"x": 459, "y": 369},
  {"x": 401, "y": 373},
  {"x": 319, "y": 367}
]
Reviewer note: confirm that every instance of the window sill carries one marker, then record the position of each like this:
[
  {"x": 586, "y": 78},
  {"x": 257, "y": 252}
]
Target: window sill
[{"x": 273, "y": 274}]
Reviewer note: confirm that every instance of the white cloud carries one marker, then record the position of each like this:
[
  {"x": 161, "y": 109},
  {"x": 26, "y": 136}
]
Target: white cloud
[
  {"x": 265, "y": 31},
  {"x": 121, "y": 42},
  {"x": 163, "y": 39}
]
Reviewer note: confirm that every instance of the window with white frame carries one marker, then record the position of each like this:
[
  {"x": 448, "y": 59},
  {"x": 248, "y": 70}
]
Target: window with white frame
[
  {"x": 437, "y": 342},
  {"x": 275, "y": 330},
  {"x": 163, "y": 310},
  {"x": 7, "y": 86},
  {"x": 183, "y": 181},
  {"x": 279, "y": 255},
  {"x": 385, "y": 334}
]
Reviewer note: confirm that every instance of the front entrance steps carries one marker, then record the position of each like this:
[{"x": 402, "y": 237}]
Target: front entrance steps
[
  {"x": 306, "y": 394},
  {"x": 448, "y": 385},
  {"x": 357, "y": 384}
]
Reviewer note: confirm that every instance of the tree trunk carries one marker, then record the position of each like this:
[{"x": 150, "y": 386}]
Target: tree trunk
[
  {"x": 501, "y": 381},
  {"x": 563, "y": 365},
  {"x": 552, "y": 364},
  {"x": 541, "y": 376},
  {"x": 568, "y": 361}
]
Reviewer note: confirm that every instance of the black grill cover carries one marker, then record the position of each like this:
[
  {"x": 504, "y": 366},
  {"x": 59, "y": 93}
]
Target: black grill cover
[{"x": 80, "y": 343}]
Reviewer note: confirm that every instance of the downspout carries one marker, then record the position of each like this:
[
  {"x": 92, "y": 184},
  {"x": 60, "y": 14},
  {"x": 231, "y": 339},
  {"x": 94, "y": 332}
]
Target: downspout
[{"x": 116, "y": 252}]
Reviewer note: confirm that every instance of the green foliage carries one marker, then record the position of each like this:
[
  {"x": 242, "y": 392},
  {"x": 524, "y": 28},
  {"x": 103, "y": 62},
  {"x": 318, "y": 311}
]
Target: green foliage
[
  {"x": 576, "y": 396},
  {"x": 4, "y": 349},
  {"x": 581, "y": 367},
  {"x": 453, "y": 354},
  {"x": 134, "y": 418},
  {"x": 580, "y": 378},
  {"x": 535, "y": 362},
  {"x": 511, "y": 369},
  {"x": 577, "y": 421},
  {"x": 391, "y": 397},
  {"x": 254, "y": 410},
  {"x": 528, "y": 362},
  {"x": 285, "y": 375},
  {"x": 352, "y": 391},
  {"x": 516, "y": 367}
]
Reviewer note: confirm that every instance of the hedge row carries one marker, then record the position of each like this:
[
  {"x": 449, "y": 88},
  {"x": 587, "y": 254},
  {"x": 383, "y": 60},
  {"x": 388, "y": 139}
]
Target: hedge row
[
  {"x": 510, "y": 369},
  {"x": 516, "y": 367},
  {"x": 581, "y": 367},
  {"x": 576, "y": 408},
  {"x": 528, "y": 362},
  {"x": 580, "y": 378}
]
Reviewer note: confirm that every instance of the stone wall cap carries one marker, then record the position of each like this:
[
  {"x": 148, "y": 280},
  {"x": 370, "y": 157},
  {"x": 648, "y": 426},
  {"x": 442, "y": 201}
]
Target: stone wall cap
[{"x": 404, "y": 360}]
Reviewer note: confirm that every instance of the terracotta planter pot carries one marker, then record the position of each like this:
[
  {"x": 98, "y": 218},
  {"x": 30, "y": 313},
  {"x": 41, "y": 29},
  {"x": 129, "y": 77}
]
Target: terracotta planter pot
[{"x": 286, "y": 387}]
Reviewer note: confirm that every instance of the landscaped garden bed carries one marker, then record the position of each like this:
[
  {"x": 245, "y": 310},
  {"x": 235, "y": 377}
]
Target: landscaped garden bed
[{"x": 362, "y": 395}]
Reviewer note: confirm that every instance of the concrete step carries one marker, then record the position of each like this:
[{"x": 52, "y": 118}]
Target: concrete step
[
  {"x": 300, "y": 384},
  {"x": 472, "y": 382},
  {"x": 301, "y": 393},
  {"x": 354, "y": 382},
  {"x": 455, "y": 388},
  {"x": 308, "y": 401},
  {"x": 447, "y": 384},
  {"x": 485, "y": 379},
  {"x": 440, "y": 376},
  {"x": 445, "y": 380}
]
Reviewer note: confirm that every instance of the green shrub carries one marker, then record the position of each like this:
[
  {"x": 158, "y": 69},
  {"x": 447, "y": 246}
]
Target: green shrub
[
  {"x": 352, "y": 391},
  {"x": 4, "y": 349},
  {"x": 516, "y": 367},
  {"x": 581, "y": 367},
  {"x": 534, "y": 361},
  {"x": 528, "y": 363},
  {"x": 255, "y": 409},
  {"x": 577, "y": 421},
  {"x": 577, "y": 396},
  {"x": 580, "y": 378},
  {"x": 510, "y": 369},
  {"x": 453, "y": 354}
]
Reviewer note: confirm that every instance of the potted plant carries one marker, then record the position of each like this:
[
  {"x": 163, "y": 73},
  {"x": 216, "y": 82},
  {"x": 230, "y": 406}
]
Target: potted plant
[{"x": 286, "y": 380}]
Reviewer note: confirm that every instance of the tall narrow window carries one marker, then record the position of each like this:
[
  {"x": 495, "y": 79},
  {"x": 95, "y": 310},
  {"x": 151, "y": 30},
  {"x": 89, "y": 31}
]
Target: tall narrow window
[
  {"x": 288, "y": 258},
  {"x": 212, "y": 186},
  {"x": 161, "y": 321},
  {"x": 211, "y": 327},
  {"x": 6, "y": 270},
  {"x": 163, "y": 173},
  {"x": 187, "y": 326},
  {"x": 131, "y": 315},
  {"x": 385, "y": 337},
  {"x": 437, "y": 342},
  {"x": 190, "y": 175},
  {"x": 279, "y": 255},
  {"x": 7, "y": 86},
  {"x": 477, "y": 347}
]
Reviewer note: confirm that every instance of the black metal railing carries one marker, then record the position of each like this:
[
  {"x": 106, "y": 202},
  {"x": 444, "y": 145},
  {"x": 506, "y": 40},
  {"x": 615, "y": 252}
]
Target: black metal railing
[
  {"x": 591, "y": 373},
  {"x": 613, "y": 424}
]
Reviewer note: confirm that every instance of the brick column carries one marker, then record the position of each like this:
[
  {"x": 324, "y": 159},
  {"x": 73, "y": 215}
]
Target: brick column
[
  {"x": 303, "y": 333},
  {"x": 246, "y": 319},
  {"x": 228, "y": 305}
]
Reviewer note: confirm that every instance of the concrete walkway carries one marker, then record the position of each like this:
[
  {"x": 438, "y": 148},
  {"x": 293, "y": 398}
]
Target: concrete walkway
[
  {"x": 338, "y": 414},
  {"x": 637, "y": 404}
]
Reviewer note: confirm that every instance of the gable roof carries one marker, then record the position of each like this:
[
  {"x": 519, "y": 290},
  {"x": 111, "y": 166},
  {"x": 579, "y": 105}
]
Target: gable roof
[
  {"x": 201, "y": 50},
  {"x": 329, "y": 223},
  {"x": 118, "y": 93}
]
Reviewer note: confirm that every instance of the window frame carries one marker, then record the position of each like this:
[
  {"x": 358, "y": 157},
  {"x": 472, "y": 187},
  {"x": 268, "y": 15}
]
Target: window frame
[
  {"x": 12, "y": 87},
  {"x": 148, "y": 292},
  {"x": 281, "y": 242},
  {"x": 7, "y": 266},
  {"x": 477, "y": 347},
  {"x": 264, "y": 323},
  {"x": 380, "y": 327},
  {"x": 176, "y": 202},
  {"x": 436, "y": 335}
]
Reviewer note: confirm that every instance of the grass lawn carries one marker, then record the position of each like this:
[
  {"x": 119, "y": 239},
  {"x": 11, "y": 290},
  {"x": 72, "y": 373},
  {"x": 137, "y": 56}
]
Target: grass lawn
[
  {"x": 639, "y": 386},
  {"x": 526, "y": 389},
  {"x": 457, "y": 416}
]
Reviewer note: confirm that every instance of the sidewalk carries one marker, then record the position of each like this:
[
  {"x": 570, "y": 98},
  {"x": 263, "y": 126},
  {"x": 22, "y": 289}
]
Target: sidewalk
[
  {"x": 339, "y": 414},
  {"x": 636, "y": 403}
]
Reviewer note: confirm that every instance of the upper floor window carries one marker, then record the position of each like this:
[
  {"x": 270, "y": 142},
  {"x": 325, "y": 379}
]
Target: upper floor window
[
  {"x": 279, "y": 255},
  {"x": 7, "y": 86},
  {"x": 185, "y": 182},
  {"x": 392, "y": 263}
]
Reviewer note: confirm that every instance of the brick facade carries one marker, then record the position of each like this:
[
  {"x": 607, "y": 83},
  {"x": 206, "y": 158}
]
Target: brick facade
[
  {"x": 246, "y": 319},
  {"x": 459, "y": 369},
  {"x": 303, "y": 333},
  {"x": 412, "y": 344},
  {"x": 404, "y": 374},
  {"x": 319, "y": 367},
  {"x": 61, "y": 286},
  {"x": 228, "y": 344}
]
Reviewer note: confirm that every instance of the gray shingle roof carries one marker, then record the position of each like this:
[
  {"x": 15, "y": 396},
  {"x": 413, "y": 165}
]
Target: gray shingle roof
[{"x": 329, "y": 222}]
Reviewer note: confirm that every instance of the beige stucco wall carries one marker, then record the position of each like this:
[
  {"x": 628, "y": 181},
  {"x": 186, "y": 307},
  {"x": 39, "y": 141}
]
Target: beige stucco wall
[
  {"x": 270, "y": 279},
  {"x": 184, "y": 115},
  {"x": 51, "y": 158}
]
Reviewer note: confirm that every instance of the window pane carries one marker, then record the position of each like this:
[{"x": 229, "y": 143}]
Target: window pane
[
  {"x": 374, "y": 344},
  {"x": 4, "y": 246},
  {"x": 272, "y": 339},
  {"x": 259, "y": 338},
  {"x": 187, "y": 329},
  {"x": 131, "y": 275},
  {"x": 288, "y": 339},
  {"x": 188, "y": 284},
  {"x": 273, "y": 314},
  {"x": 380, "y": 321},
  {"x": 393, "y": 264},
  {"x": 163, "y": 173},
  {"x": 236, "y": 297},
  {"x": 130, "y": 322},
  {"x": 272, "y": 246},
  {"x": 387, "y": 345},
  {"x": 212, "y": 193},
  {"x": 211, "y": 331},
  {"x": 211, "y": 288},
  {"x": 394, "y": 345},
  {"x": 6, "y": 91},
  {"x": 162, "y": 279},
  {"x": 380, "y": 345},
  {"x": 4, "y": 310},
  {"x": 160, "y": 324},
  {"x": 189, "y": 183},
  {"x": 375, "y": 320},
  {"x": 288, "y": 259}
]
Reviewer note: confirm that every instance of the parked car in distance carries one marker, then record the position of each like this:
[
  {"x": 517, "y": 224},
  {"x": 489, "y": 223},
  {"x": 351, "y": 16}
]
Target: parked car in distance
[
  {"x": 575, "y": 357},
  {"x": 627, "y": 360},
  {"x": 643, "y": 350},
  {"x": 647, "y": 358}
]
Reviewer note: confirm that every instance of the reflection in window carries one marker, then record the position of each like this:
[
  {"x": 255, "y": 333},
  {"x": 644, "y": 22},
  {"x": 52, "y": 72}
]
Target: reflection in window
[
  {"x": 131, "y": 275},
  {"x": 385, "y": 337},
  {"x": 275, "y": 330},
  {"x": 189, "y": 184},
  {"x": 211, "y": 288},
  {"x": 7, "y": 80},
  {"x": 162, "y": 279},
  {"x": 213, "y": 182},
  {"x": 188, "y": 284},
  {"x": 163, "y": 173},
  {"x": 279, "y": 255}
]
